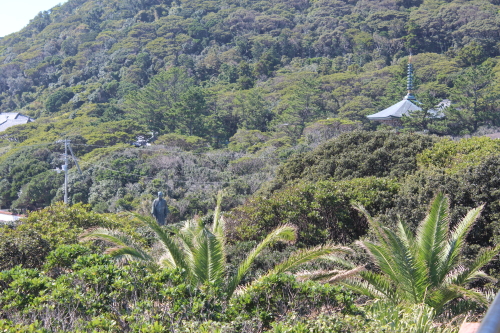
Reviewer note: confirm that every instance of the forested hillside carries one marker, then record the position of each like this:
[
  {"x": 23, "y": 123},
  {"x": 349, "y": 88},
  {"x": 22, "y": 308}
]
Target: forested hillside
[{"x": 206, "y": 74}]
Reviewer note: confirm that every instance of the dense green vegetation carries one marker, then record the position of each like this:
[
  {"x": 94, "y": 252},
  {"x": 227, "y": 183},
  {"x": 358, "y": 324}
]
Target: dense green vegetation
[{"x": 266, "y": 101}]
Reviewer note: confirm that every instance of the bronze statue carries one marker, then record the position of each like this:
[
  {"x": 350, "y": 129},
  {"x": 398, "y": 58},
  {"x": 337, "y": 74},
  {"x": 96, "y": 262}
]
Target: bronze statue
[{"x": 160, "y": 209}]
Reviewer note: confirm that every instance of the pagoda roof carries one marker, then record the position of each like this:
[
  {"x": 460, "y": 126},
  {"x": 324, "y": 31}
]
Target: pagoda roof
[{"x": 395, "y": 111}]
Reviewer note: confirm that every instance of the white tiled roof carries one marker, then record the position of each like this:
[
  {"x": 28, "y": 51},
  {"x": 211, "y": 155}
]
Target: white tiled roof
[
  {"x": 405, "y": 107},
  {"x": 395, "y": 111}
]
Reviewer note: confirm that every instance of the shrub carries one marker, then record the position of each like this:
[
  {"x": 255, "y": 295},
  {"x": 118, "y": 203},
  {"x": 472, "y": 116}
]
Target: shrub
[
  {"x": 63, "y": 257},
  {"x": 183, "y": 142},
  {"x": 22, "y": 247},
  {"x": 61, "y": 224},
  {"x": 321, "y": 210},
  {"x": 57, "y": 99},
  {"x": 455, "y": 156},
  {"x": 272, "y": 298},
  {"x": 355, "y": 155}
]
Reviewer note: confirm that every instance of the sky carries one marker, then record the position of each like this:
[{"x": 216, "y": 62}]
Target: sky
[{"x": 16, "y": 14}]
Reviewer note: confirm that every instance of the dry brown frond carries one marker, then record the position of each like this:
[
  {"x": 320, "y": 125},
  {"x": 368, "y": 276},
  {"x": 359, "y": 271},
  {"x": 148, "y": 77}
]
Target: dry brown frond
[{"x": 346, "y": 274}]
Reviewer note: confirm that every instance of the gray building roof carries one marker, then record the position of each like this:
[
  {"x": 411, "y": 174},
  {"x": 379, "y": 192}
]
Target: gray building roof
[
  {"x": 405, "y": 107},
  {"x": 395, "y": 111},
  {"x": 8, "y": 119}
]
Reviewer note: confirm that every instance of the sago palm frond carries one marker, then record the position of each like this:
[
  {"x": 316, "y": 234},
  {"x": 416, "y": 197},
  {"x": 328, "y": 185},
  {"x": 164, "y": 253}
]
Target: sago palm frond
[
  {"x": 189, "y": 233},
  {"x": 470, "y": 273},
  {"x": 438, "y": 297},
  {"x": 320, "y": 275},
  {"x": 373, "y": 285},
  {"x": 167, "y": 261},
  {"x": 431, "y": 238},
  {"x": 476, "y": 296},
  {"x": 382, "y": 255},
  {"x": 394, "y": 256},
  {"x": 424, "y": 268},
  {"x": 209, "y": 264},
  {"x": 344, "y": 275},
  {"x": 456, "y": 241},
  {"x": 303, "y": 256},
  {"x": 285, "y": 233},
  {"x": 340, "y": 261},
  {"x": 374, "y": 224},
  {"x": 219, "y": 230},
  {"x": 218, "y": 223},
  {"x": 123, "y": 244},
  {"x": 442, "y": 296},
  {"x": 416, "y": 269},
  {"x": 382, "y": 284},
  {"x": 410, "y": 273},
  {"x": 178, "y": 256}
]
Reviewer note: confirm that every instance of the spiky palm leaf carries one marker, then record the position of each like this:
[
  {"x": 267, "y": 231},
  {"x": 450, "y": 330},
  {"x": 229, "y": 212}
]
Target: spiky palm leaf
[
  {"x": 218, "y": 223},
  {"x": 330, "y": 276},
  {"x": 200, "y": 251},
  {"x": 373, "y": 285},
  {"x": 431, "y": 239},
  {"x": 208, "y": 265},
  {"x": 303, "y": 256},
  {"x": 423, "y": 268},
  {"x": 456, "y": 242},
  {"x": 123, "y": 244},
  {"x": 175, "y": 251}
]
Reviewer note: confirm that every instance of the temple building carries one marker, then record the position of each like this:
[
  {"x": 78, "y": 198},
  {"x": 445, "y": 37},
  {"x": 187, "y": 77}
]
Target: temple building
[{"x": 392, "y": 115}]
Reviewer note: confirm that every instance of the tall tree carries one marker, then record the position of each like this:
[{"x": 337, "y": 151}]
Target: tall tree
[
  {"x": 153, "y": 104},
  {"x": 190, "y": 113},
  {"x": 474, "y": 99}
]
